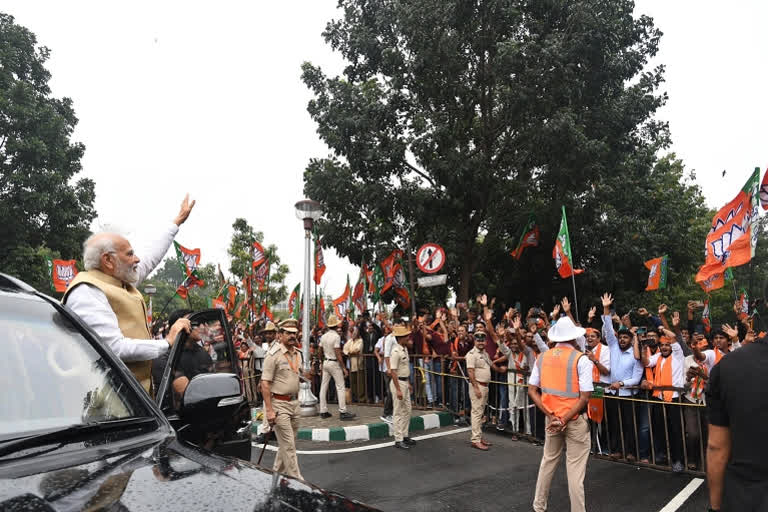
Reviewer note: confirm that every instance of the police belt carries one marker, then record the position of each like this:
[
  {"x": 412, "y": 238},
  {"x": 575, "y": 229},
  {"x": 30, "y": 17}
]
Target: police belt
[
  {"x": 404, "y": 378},
  {"x": 284, "y": 398}
]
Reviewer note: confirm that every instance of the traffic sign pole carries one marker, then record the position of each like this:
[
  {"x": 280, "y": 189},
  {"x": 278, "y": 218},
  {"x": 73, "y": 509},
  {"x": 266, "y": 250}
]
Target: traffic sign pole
[{"x": 413, "y": 288}]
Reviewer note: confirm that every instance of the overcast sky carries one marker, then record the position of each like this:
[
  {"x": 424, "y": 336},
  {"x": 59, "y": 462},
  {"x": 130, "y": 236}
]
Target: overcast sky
[{"x": 206, "y": 98}]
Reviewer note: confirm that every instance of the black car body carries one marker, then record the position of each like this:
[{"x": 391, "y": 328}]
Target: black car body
[{"x": 77, "y": 431}]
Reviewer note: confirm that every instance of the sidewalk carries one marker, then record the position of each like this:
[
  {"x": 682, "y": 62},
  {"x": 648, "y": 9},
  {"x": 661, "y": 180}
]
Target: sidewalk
[{"x": 366, "y": 426}]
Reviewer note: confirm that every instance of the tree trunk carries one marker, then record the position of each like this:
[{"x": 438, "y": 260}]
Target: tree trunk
[{"x": 465, "y": 276}]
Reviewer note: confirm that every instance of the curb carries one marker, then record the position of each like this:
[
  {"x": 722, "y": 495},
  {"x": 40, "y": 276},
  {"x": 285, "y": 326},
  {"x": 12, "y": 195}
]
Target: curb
[{"x": 379, "y": 430}]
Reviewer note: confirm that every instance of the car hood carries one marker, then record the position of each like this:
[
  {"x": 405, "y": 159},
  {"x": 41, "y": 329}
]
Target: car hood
[{"x": 168, "y": 475}]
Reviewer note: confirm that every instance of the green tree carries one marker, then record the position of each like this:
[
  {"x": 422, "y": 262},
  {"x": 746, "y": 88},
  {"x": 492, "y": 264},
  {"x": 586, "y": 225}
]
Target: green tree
[
  {"x": 167, "y": 279},
  {"x": 454, "y": 119},
  {"x": 43, "y": 210},
  {"x": 240, "y": 255}
]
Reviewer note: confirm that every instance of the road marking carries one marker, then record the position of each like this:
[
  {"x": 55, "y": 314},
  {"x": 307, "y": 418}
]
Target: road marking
[
  {"x": 370, "y": 446},
  {"x": 683, "y": 495}
]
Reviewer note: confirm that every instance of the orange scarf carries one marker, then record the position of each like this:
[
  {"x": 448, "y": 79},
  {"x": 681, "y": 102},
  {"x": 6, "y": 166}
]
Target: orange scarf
[
  {"x": 648, "y": 370},
  {"x": 663, "y": 377},
  {"x": 699, "y": 383},
  {"x": 718, "y": 355},
  {"x": 595, "y": 371},
  {"x": 518, "y": 366}
]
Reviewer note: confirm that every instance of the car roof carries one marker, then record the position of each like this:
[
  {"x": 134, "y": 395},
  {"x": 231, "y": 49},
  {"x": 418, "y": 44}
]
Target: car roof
[{"x": 15, "y": 289}]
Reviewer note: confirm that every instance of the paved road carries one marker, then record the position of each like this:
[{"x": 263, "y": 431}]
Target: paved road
[{"x": 445, "y": 473}]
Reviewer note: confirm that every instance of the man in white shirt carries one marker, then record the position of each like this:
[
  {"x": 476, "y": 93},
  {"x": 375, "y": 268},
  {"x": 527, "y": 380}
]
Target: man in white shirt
[{"x": 105, "y": 296}]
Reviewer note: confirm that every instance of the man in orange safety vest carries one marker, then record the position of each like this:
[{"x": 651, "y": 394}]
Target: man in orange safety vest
[{"x": 560, "y": 385}]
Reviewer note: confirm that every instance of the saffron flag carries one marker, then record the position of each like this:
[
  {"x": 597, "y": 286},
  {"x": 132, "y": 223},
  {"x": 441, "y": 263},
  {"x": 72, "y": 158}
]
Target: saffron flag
[
  {"x": 712, "y": 282},
  {"x": 321, "y": 314},
  {"x": 657, "y": 277},
  {"x": 266, "y": 314},
  {"x": 388, "y": 268},
  {"x": 705, "y": 317},
  {"x": 294, "y": 306},
  {"x": 562, "y": 251},
  {"x": 368, "y": 273},
  {"x": 217, "y": 303},
  {"x": 62, "y": 273},
  {"x": 400, "y": 285},
  {"x": 231, "y": 296},
  {"x": 341, "y": 304},
  {"x": 733, "y": 235},
  {"x": 319, "y": 261},
  {"x": 189, "y": 260},
  {"x": 529, "y": 238},
  {"x": 239, "y": 309},
  {"x": 259, "y": 254},
  {"x": 261, "y": 274},
  {"x": 358, "y": 295},
  {"x": 743, "y": 305}
]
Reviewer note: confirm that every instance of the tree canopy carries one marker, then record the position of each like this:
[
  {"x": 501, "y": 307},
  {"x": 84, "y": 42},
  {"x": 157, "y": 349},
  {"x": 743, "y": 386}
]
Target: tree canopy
[
  {"x": 454, "y": 120},
  {"x": 44, "y": 210}
]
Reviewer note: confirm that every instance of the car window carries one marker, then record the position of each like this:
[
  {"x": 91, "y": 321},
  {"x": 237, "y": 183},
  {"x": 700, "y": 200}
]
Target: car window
[
  {"x": 207, "y": 349},
  {"x": 51, "y": 376}
]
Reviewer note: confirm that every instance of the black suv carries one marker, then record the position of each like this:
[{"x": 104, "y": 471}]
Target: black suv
[{"x": 77, "y": 431}]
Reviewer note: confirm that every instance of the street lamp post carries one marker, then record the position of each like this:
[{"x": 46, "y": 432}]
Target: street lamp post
[{"x": 308, "y": 211}]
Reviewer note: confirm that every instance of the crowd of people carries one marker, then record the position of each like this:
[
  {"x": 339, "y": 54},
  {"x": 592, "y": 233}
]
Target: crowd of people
[{"x": 661, "y": 361}]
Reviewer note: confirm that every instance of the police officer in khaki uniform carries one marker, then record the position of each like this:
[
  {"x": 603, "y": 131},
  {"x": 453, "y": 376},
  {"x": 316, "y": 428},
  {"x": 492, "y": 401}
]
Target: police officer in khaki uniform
[
  {"x": 280, "y": 387},
  {"x": 479, "y": 368},
  {"x": 330, "y": 344},
  {"x": 400, "y": 387},
  {"x": 270, "y": 335},
  {"x": 270, "y": 342}
]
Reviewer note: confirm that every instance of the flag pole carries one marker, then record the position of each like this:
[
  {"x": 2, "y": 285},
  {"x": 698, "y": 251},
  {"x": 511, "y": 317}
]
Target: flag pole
[
  {"x": 575, "y": 299},
  {"x": 410, "y": 271}
]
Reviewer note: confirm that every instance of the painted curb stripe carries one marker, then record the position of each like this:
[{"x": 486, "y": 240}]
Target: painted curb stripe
[{"x": 370, "y": 431}]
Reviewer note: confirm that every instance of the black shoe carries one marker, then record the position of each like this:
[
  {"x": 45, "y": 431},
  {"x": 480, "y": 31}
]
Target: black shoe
[
  {"x": 346, "y": 416},
  {"x": 402, "y": 445},
  {"x": 325, "y": 415},
  {"x": 409, "y": 441}
]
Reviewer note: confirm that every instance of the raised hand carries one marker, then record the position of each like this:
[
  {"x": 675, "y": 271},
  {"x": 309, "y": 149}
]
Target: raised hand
[
  {"x": 663, "y": 309},
  {"x": 516, "y": 322},
  {"x": 676, "y": 319},
  {"x": 730, "y": 331},
  {"x": 483, "y": 300},
  {"x": 556, "y": 311},
  {"x": 592, "y": 313},
  {"x": 642, "y": 312},
  {"x": 607, "y": 300},
  {"x": 184, "y": 211},
  {"x": 566, "y": 305}
]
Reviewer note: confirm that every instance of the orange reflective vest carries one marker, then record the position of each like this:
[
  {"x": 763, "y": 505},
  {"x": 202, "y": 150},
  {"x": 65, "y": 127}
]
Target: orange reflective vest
[
  {"x": 662, "y": 376},
  {"x": 559, "y": 373}
]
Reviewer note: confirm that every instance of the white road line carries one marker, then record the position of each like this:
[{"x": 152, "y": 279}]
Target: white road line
[
  {"x": 368, "y": 447},
  {"x": 683, "y": 495}
]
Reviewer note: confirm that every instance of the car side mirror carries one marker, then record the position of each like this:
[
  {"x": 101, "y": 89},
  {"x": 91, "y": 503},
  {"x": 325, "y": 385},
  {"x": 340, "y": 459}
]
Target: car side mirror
[{"x": 208, "y": 393}]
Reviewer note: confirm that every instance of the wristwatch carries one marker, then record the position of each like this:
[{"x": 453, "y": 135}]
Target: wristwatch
[{"x": 621, "y": 383}]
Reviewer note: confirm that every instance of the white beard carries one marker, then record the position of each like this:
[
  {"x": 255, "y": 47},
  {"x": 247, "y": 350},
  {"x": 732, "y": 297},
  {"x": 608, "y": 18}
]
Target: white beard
[{"x": 128, "y": 274}]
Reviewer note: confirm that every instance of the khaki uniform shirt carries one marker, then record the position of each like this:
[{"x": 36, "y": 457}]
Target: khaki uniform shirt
[
  {"x": 329, "y": 342},
  {"x": 481, "y": 363},
  {"x": 282, "y": 370},
  {"x": 398, "y": 361}
]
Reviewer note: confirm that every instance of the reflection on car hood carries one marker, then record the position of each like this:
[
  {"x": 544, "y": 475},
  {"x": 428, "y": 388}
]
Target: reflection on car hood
[{"x": 167, "y": 476}]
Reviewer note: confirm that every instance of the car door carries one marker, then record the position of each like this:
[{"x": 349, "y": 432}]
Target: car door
[{"x": 201, "y": 390}]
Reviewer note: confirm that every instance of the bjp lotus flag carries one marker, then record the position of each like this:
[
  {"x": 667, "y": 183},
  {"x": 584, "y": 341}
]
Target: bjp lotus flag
[
  {"x": 266, "y": 313},
  {"x": 529, "y": 238},
  {"x": 712, "y": 282},
  {"x": 262, "y": 273},
  {"x": 764, "y": 191},
  {"x": 189, "y": 260},
  {"x": 562, "y": 251},
  {"x": 217, "y": 303},
  {"x": 294, "y": 304},
  {"x": 259, "y": 254},
  {"x": 62, "y": 273},
  {"x": 341, "y": 304},
  {"x": 319, "y": 261},
  {"x": 657, "y": 277},
  {"x": 321, "y": 314}
]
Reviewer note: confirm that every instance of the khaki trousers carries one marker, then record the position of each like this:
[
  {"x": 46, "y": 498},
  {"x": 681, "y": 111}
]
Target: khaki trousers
[
  {"x": 286, "y": 426},
  {"x": 332, "y": 369},
  {"x": 478, "y": 408},
  {"x": 401, "y": 410},
  {"x": 575, "y": 438}
]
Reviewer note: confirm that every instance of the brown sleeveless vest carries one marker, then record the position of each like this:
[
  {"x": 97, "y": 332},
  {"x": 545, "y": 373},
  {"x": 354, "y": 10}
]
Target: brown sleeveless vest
[{"x": 128, "y": 305}]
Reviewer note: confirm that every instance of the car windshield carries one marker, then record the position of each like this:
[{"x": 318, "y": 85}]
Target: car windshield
[{"x": 50, "y": 375}]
